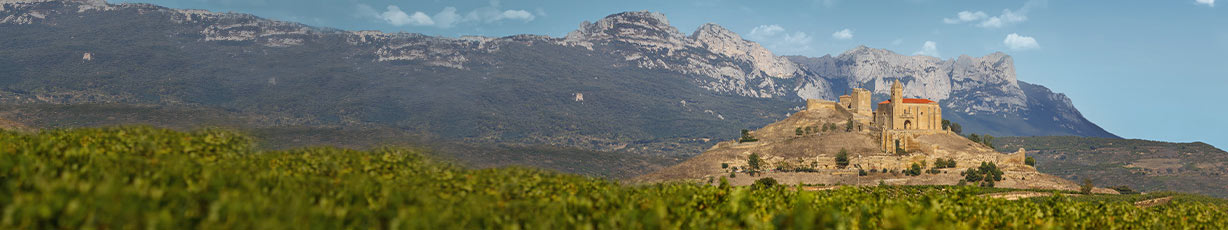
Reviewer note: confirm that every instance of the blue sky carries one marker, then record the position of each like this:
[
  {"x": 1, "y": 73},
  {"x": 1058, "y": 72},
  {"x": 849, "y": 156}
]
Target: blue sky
[{"x": 1141, "y": 69}]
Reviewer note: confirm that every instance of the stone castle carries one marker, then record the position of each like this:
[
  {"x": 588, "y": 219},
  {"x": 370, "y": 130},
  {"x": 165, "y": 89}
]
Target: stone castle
[{"x": 896, "y": 121}]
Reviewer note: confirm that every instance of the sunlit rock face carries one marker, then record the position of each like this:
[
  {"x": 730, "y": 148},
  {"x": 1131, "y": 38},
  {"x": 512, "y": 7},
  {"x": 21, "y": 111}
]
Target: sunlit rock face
[
  {"x": 726, "y": 62},
  {"x": 976, "y": 84}
]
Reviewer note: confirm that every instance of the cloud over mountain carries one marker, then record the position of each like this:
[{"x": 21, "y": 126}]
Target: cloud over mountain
[
  {"x": 930, "y": 48},
  {"x": 1008, "y": 16},
  {"x": 1018, "y": 42},
  {"x": 845, "y": 34}
]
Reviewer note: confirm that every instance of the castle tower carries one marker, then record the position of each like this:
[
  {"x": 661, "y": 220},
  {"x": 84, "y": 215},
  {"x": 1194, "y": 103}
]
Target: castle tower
[
  {"x": 897, "y": 92},
  {"x": 897, "y": 105}
]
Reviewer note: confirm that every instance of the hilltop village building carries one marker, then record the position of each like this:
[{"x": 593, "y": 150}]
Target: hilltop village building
[{"x": 897, "y": 121}]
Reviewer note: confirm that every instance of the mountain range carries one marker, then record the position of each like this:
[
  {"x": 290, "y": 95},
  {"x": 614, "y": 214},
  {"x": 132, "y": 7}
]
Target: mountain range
[{"x": 629, "y": 82}]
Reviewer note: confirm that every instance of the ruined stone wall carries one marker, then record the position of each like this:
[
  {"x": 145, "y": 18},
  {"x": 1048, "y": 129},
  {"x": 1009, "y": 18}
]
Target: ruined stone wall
[
  {"x": 846, "y": 101},
  {"x": 819, "y": 104}
]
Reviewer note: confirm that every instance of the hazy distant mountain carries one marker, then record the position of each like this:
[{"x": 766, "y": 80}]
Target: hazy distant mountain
[{"x": 629, "y": 82}]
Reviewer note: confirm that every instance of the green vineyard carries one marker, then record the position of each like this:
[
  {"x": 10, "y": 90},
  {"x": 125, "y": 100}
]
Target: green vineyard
[{"x": 149, "y": 178}]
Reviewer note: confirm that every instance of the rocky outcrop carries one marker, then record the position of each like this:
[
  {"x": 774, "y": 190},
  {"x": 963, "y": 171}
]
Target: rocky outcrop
[
  {"x": 969, "y": 84},
  {"x": 721, "y": 41},
  {"x": 725, "y": 62},
  {"x": 810, "y": 158}
]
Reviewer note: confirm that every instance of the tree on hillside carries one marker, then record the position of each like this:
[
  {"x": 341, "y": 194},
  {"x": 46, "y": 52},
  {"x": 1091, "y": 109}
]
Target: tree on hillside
[
  {"x": 914, "y": 170},
  {"x": 764, "y": 183},
  {"x": 974, "y": 138},
  {"x": 985, "y": 175},
  {"x": 1029, "y": 161},
  {"x": 842, "y": 158},
  {"x": 987, "y": 140},
  {"x": 1086, "y": 189},
  {"x": 954, "y": 127},
  {"x": 848, "y": 127},
  {"x": 746, "y": 137},
  {"x": 798, "y": 131},
  {"x": 754, "y": 162}
]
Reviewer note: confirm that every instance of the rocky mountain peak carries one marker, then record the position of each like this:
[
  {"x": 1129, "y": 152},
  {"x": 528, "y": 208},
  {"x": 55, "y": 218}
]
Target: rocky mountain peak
[
  {"x": 714, "y": 31},
  {"x": 639, "y": 27},
  {"x": 722, "y": 41}
]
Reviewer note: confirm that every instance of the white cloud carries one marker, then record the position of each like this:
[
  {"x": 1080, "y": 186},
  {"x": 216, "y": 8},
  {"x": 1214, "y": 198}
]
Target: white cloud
[
  {"x": 1008, "y": 16},
  {"x": 517, "y": 15},
  {"x": 396, "y": 17},
  {"x": 765, "y": 31},
  {"x": 965, "y": 16},
  {"x": 447, "y": 17},
  {"x": 845, "y": 34},
  {"x": 1210, "y": 3},
  {"x": 799, "y": 39},
  {"x": 930, "y": 48},
  {"x": 1018, "y": 42},
  {"x": 779, "y": 40}
]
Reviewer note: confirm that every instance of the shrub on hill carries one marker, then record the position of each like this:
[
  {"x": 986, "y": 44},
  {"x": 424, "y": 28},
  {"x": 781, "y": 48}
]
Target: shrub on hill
[
  {"x": 985, "y": 175},
  {"x": 753, "y": 163},
  {"x": 842, "y": 158},
  {"x": 746, "y": 137},
  {"x": 764, "y": 183}
]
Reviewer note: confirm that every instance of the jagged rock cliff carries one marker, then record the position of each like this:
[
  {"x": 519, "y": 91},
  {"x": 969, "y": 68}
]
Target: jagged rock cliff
[
  {"x": 648, "y": 88},
  {"x": 726, "y": 62}
]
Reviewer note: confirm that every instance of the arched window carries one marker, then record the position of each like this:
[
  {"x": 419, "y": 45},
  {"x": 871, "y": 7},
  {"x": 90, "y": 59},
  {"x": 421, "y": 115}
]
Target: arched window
[{"x": 908, "y": 124}]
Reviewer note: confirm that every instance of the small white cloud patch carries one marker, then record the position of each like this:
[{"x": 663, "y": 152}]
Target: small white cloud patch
[
  {"x": 1017, "y": 42},
  {"x": 1210, "y": 3},
  {"x": 779, "y": 40},
  {"x": 764, "y": 31},
  {"x": 845, "y": 34},
  {"x": 1008, "y": 16},
  {"x": 395, "y": 16},
  {"x": 930, "y": 48},
  {"x": 965, "y": 16},
  {"x": 517, "y": 15}
]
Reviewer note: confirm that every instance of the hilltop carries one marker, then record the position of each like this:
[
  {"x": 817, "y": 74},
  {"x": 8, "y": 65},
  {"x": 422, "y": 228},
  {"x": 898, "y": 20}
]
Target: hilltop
[{"x": 810, "y": 158}]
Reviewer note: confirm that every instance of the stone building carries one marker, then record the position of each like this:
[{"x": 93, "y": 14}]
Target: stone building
[
  {"x": 898, "y": 121},
  {"x": 901, "y": 113},
  {"x": 857, "y": 102}
]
